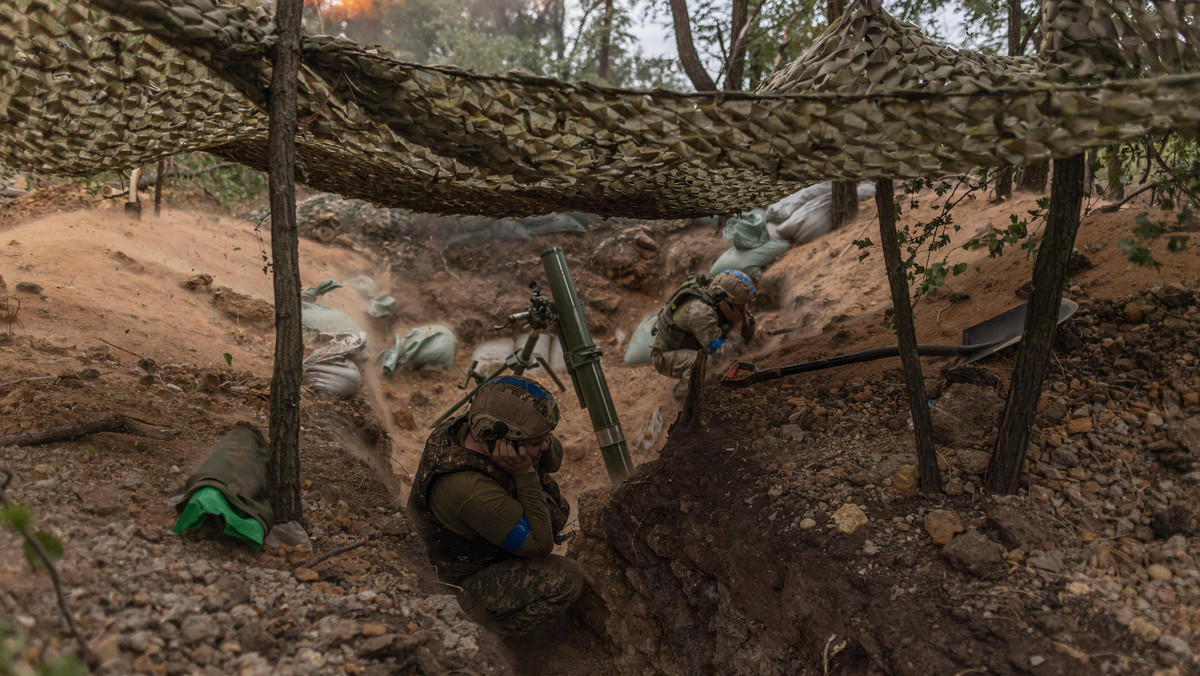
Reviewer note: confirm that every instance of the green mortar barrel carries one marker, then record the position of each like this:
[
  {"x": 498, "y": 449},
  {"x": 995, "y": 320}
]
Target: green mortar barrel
[{"x": 583, "y": 362}]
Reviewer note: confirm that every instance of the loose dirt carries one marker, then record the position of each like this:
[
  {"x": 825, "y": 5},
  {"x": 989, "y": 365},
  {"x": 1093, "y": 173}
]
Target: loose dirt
[{"x": 722, "y": 554}]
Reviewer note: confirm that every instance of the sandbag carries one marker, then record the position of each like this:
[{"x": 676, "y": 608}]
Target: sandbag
[
  {"x": 749, "y": 261},
  {"x": 812, "y": 216},
  {"x": 324, "y": 321},
  {"x": 379, "y": 304},
  {"x": 237, "y": 467},
  {"x": 432, "y": 344},
  {"x": 780, "y": 211},
  {"x": 748, "y": 231},
  {"x": 333, "y": 369},
  {"x": 638, "y": 351}
]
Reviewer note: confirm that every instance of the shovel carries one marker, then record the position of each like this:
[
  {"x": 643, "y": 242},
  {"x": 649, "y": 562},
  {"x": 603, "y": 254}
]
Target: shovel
[{"x": 977, "y": 342}]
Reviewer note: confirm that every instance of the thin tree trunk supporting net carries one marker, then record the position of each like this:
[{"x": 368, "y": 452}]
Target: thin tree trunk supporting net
[{"x": 87, "y": 86}]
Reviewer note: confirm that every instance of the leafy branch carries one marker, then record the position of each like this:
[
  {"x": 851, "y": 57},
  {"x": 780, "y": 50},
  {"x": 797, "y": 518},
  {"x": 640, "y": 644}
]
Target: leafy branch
[{"x": 41, "y": 548}]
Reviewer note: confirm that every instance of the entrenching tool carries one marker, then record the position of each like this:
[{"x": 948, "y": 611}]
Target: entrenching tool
[{"x": 977, "y": 342}]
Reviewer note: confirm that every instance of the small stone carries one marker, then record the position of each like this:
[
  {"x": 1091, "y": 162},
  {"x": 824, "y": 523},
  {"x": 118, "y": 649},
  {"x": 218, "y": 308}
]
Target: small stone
[
  {"x": 1078, "y": 588},
  {"x": 849, "y": 518},
  {"x": 198, "y": 629},
  {"x": 1159, "y": 572},
  {"x": 906, "y": 480},
  {"x": 903, "y": 527},
  {"x": 1175, "y": 644},
  {"x": 107, "y": 649},
  {"x": 1191, "y": 398},
  {"x": 1141, "y": 628},
  {"x": 807, "y": 524},
  {"x": 369, "y": 629},
  {"x": 1037, "y": 660},
  {"x": 972, "y": 462},
  {"x": 306, "y": 575},
  {"x": 1079, "y": 426},
  {"x": 942, "y": 525},
  {"x": 312, "y": 657}
]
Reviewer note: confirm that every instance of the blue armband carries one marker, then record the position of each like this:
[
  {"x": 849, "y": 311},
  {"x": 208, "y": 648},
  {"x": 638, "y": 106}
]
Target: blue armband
[
  {"x": 717, "y": 344},
  {"x": 516, "y": 537}
]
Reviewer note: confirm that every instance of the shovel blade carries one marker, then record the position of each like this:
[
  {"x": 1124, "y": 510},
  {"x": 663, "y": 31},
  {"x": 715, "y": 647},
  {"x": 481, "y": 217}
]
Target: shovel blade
[{"x": 1006, "y": 329}]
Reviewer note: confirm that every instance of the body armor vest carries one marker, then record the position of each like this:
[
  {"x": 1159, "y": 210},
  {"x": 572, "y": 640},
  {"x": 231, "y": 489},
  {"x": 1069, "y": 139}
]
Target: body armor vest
[
  {"x": 443, "y": 455},
  {"x": 667, "y": 332}
]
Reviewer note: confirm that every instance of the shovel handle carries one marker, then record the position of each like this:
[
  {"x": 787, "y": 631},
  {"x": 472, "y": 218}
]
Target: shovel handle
[{"x": 743, "y": 374}]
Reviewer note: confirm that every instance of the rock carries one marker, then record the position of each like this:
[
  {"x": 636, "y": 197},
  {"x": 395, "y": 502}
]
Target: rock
[
  {"x": 200, "y": 281},
  {"x": 1079, "y": 426},
  {"x": 1045, "y": 560},
  {"x": 807, "y": 524},
  {"x": 306, "y": 575},
  {"x": 1143, "y": 629},
  {"x": 942, "y": 526},
  {"x": 972, "y": 462},
  {"x": 965, "y": 413},
  {"x": 377, "y": 645},
  {"x": 1014, "y": 529},
  {"x": 1064, "y": 456},
  {"x": 1159, "y": 572},
  {"x": 244, "y": 309},
  {"x": 1135, "y": 311},
  {"x": 1175, "y": 644},
  {"x": 372, "y": 629},
  {"x": 100, "y": 500},
  {"x": 404, "y": 419},
  {"x": 29, "y": 287},
  {"x": 906, "y": 480},
  {"x": 198, "y": 629},
  {"x": 973, "y": 553},
  {"x": 107, "y": 649},
  {"x": 849, "y": 518}
]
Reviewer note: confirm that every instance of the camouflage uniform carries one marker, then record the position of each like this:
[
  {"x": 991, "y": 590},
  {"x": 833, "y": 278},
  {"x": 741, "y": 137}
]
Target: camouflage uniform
[
  {"x": 512, "y": 594},
  {"x": 691, "y": 321}
]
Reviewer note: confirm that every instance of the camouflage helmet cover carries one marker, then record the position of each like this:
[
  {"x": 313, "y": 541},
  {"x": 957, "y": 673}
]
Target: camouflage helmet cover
[
  {"x": 734, "y": 286},
  {"x": 528, "y": 409}
]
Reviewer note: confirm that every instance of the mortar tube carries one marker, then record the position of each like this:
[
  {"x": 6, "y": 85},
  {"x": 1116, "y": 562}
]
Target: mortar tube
[{"x": 583, "y": 363}]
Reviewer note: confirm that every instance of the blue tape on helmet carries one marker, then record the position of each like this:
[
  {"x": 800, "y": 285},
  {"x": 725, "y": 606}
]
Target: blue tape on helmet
[
  {"x": 717, "y": 344},
  {"x": 745, "y": 280},
  {"x": 527, "y": 385}
]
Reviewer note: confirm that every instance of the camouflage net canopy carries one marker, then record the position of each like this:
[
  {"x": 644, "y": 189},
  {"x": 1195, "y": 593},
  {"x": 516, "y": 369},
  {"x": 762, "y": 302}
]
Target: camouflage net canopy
[{"x": 92, "y": 85}]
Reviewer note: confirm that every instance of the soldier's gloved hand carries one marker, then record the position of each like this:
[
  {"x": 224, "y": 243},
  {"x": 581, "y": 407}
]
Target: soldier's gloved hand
[{"x": 511, "y": 458}]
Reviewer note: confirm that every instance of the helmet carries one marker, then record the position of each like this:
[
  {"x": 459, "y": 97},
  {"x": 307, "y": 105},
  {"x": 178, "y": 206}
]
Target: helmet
[
  {"x": 734, "y": 286},
  {"x": 524, "y": 407}
]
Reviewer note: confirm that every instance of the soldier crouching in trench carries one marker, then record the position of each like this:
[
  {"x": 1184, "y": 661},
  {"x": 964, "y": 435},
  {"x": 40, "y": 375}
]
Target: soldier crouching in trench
[
  {"x": 489, "y": 512},
  {"x": 703, "y": 315}
]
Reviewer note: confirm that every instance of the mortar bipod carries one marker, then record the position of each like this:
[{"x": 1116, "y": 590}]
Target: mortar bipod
[{"x": 518, "y": 362}]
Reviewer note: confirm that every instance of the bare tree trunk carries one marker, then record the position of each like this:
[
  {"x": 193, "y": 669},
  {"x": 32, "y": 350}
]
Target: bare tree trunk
[
  {"x": 914, "y": 381},
  {"x": 687, "y": 49},
  {"x": 1004, "y": 184},
  {"x": 845, "y": 193},
  {"x": 605, "y": 41},
  {"x": 1034, "y": 176},
  {"x": 1016, "y": 17},
  {"x": 158, "y": 181},
  {"x": 1049, "y": 274},
  {"x": 289, "y": 350},
  {"x": 1114, "y": 172},
  {"x": 845, "y": 203},
  {"x": 559, "y": 19},
  {"x": 737, "y": 53}
]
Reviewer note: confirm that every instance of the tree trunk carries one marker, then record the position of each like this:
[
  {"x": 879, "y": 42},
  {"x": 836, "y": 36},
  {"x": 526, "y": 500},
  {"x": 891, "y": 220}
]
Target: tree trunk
[
  {"x": 558, "y": 20},
  {"x": 289, "y": 350},
  {"x": 1033, "y": 177},
  {"x": 737, "y": 54},
  {"x": 914, "y": 381},
  {"x": 687, "y": 50},
  {"x": 1049, "y": 274},
  {"x": 1004, "y": 184},
  {"x": 158, "y": 181},
  {"x": 835, "y": 9},
  {"x": 845, "y": 203},
  {"x": 1115, "y": 175},
  {"x": 1016, "y": 17},
  {"x": 605, "y": 41}
]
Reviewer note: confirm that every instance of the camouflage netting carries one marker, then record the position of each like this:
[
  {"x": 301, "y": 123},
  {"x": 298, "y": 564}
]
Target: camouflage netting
[{"x": 102, "y": 84}]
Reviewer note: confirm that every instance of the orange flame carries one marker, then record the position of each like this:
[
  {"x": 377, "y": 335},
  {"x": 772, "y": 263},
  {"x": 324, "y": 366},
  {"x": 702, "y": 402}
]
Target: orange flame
[{"x": 344, "y": 9}]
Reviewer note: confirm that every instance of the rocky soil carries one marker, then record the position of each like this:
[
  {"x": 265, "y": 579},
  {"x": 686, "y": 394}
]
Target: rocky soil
[{"x": 785, "y": 534}]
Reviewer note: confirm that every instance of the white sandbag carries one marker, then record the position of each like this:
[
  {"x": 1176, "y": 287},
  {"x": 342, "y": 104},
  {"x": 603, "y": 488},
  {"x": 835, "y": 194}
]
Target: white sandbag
[
  {"x": 432, "y": 344},
  {"x": 638, "y": 351},
  {"x": 332, "y": 369},
  {"x": 780, "y": 211},
  {"x": 811, "y": 212},
  {"x": 490, "y": 355},
  {"x": 339, "y": 379},
  {"x": 749, "y": 261}
]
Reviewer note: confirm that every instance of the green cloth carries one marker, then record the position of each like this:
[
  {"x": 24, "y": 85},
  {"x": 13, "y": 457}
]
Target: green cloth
[
  {"x": 209, "y": 502},
  {"x": 237, "y": 468}
]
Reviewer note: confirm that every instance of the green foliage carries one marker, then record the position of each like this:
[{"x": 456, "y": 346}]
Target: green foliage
[
  {"x": 1147, "y": 232},
  {"x": 228, "y": 358},
  {"x": 15, "y": 657},
  {"x": 1017, "y": 232},
  {"x": 19, "y": 519},
  {"x": 51, "y": 545},
  {"x": 230, "y": 185}
]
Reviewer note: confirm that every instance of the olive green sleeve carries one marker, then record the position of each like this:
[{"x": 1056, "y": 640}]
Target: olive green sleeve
[
  {"x": 552, "y": 459},
  {"x": 471, "y": 503}
]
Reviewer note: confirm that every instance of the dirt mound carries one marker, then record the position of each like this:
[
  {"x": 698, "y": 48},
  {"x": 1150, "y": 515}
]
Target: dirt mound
[{"x": 784, "y": 536}]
